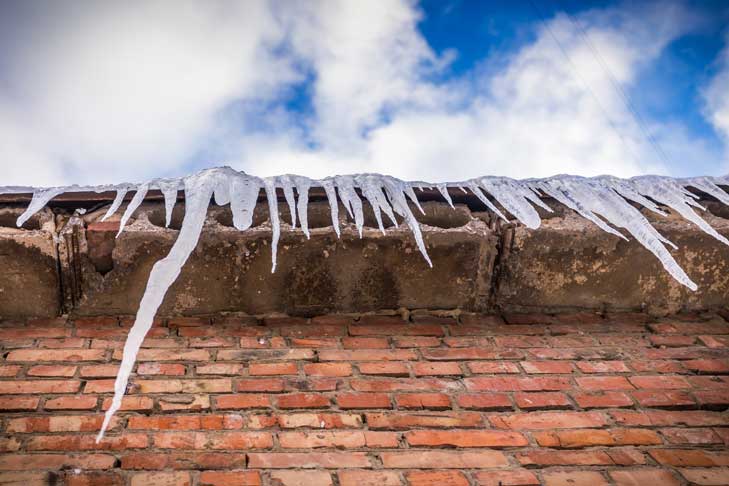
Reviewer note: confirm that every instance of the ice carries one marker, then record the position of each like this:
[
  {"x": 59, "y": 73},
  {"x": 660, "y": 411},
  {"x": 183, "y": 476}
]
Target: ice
[{"x": 606, "y": 201}]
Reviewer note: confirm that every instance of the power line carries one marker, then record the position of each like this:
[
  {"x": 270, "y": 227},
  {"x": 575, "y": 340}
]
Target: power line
[
  {"x": 617, "y": 86},
  {"x": 577, "y": 75}
]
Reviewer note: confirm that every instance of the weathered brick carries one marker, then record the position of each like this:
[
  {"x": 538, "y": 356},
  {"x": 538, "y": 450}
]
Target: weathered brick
[
  {"x": 542, "y": 400},
  {"x": 465, "y": 438},
  {"x": 541, "y": 383},
  {"x": 339, "y": 439},
  {"x": 301, "y": 478},
  {"x": 660, "y": 382},
  {"x": 302, "y": 400},
  {"x": 151, "y": 354},
  {"x": 183, "y": 460},
  {"x": 574, "y": 478},
  {"x": 218, "y": 385},
  {"x": 396, "y": 421},
  {"x": 227, "y": 402},
  {"x": 663, "y": 399},
  {"x": 10, "y": 404},
  {"x": 444, "y": 459},
  {"x": 668, "y": 418},
  {"x": 366, "y": 343},
  {"x": 79, "y": 402},
  {"x": 44, "y": 355},
  {"x": 546, "y": 457},
  {"x": 131, "y": 403},
  {"x": 363, "y": 400},
  {"x": 30, "y": 462},
  {"x": 492, "y": 367},
  {"x": 708, "y": 366},
  {"x": 367, "y": 355},
  {"x": 436, "y": 401},
  {"x": 354, "y": 477},
  {"x": 270, "y": 369},
  {"x": 485, "y": 401},
  {"x": 512, "y": 477},
  {"x": 639, "y": 477},
  {"x": 52, "y": 370},
  {"x": 326, "y": 460},
  {"x": 547, "y": 367},
  {"x": 577, "y": 438},
  {"x": 602, "y": 366},
  {"x": 68, "y": 442},
  {"x": 161, "y": 369},
  {"x": 162, "y": 479},
  {"x": 593, "y": 383},
  {"x": 549, "y": 420},
  {"x": 230, "y": 478},
  {"x": 432, "y": 478},
  {"x": 717, "y": 476},
  {"x": 15, "y": 387},
  {"x": 691, "y": 436},
  {"x": 319, "y": 420},
  {"x": 606, "y": 399},
  {"x": 458, "y": 354},
  {"x": 260, "y": 385},
  {"x": 437, "y": 369},
  {"x": 393, "y": 368},
  {"x": 328, "y": 369},
  {"x": 404, "y": 384}
]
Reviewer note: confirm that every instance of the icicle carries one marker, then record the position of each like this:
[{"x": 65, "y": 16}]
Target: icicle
[
  {"x": 133, "y": 205},
  {"x": 675, "y": 196},
  {"x": 270, "y": 185},
  {"x": 395, "y": 190},
  {"x": 38, "y": 202},
  {"x": 477, "y": 192},
  {"x": 302, "y": 187},
  {"x": 169, "y": 191},
  {"x": 243, "y": 197},
  {"x": 515, "y": 198},
  {"x": 371, "y": 187},
  {"x": 328, "y": 186},
  {"x": 287, "y": 184},
  {"x": 709, "y": 186},
  {"x": 198, "y": 191},
  {"x": 443, "y": 189},
  {"x": 120, "y": 193},
  {"x": 350, "y": 199}
]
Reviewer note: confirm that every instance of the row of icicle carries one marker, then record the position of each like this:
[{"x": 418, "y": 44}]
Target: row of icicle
[{"x": 605, "y": 201}]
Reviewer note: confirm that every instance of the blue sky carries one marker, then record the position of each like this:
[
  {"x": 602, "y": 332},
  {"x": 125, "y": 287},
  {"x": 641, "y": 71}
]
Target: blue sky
[{"x": 434, "y": 90}]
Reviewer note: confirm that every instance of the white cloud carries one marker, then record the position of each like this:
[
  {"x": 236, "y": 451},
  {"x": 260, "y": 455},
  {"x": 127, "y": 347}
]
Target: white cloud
[
  {"x": 125, "y": 91},
  {"x": 716, "y": 96}
]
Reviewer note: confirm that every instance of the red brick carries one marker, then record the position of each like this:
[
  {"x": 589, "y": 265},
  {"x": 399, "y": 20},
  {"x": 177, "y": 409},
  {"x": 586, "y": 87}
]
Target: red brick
[
  {"x": 131, "y": 403},
  {"x": 363, "y": 400},
  {"x": 218, "y": 369},
  {"x": 715, "y": 342},
  {"x": 709, "y": 366},
  {"x": 668, "y": 418},
  {"x": 29, "y": 462},
  {"x": 443, "y": 459},
  {"x": 220, "y": 385},
  {"x": 492, "y": 367},
  {"x": 260, "y": 385},
  {"x": 547, "y": 367},
  {"x": 314, "y": 342},
  {"x": 592, "y": 383},
  {"x": 365, "y": 343},
  {"x": 164, "y": 369},
  {"x": 690, "y": 457},
  {"x": 96, "y": 478},
  {"x": 302, "y": 400},
  {"x": 542, "y": 400},
  {"x": 423, "y": 400},
  {"x": 437, "y": 369},
  {"x": 328, "y": 369},
  {"x": 485, "y": 401},
  {"x": 368, "y": 478},
  {"x": 690, "y": 328},
  {"x": 574, "y": 478},
  {"x": 693, "y": 436},
  {"x": 517, "y": 384},
  {"x": 607, "y": 399},
  {"x": 663, "y": 399},
  {"x": 79, "y": 402},
  {"x": 465, "y": 438},
  {"x": 161, "y": 479},
  {"x": 381, "y": 440},
  {"x": 386, "y": 369},
  {"x": 291, "y": 460},
  {"x": 639, "y": 477},
  {"x": 18, "y": 403},
  {"x": 230, "y": 478},
  {"x": 7, "y": 333},
  {"x": 440, "y": 354},
  {"x": 43, "y": 355},
  {"x": 396, "y": 421},
  {"x": 39, "y": 386},
  {"x": 57, "y": 423},
  {"x": 52, "y": 370},
  {"x": 416, "y": 342},
  {"x": 568, "y": 439},
  {"x": 68, "y": 442},
  {"x": 164, "y": 354},
  {"x": 218, "y": 441},
  {"x": 657, "y": 366},
  {"x": 602, "y": 366},
  {"x": 242, "y": 401},
  {"x": 546, "y": 457},
  {"x": 301, "y": 478},
  {"x": 436, "y": 478},
  {"x": 718, "y": 399},
  {"x": 9, "y": 371},
  {"x": 266, "y": 369},
  {"x": 707, "y": 477},
  {"x": 513, "y": 477},
  {"x": 672, "y": 340},
  {"x": 659, "y": 382},
  {"x": 404, "y": 384},
  {"x": 183, "y": 460},
  {"x": 549, "y": 420},
  {"x": 392, "y": 329},
  {"x": 339, "y": 439},
  {"x": 319, "y": 420},
  {"x": 367, "y": 355}
]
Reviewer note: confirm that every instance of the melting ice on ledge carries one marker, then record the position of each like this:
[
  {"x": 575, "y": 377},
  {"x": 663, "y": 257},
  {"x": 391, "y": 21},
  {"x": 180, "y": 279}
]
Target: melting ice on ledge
[{"x": 605, "y": 201}]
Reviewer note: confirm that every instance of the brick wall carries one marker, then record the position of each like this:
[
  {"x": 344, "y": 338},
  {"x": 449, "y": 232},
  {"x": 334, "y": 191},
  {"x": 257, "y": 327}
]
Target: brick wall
[{"x": 571, "y": 400}]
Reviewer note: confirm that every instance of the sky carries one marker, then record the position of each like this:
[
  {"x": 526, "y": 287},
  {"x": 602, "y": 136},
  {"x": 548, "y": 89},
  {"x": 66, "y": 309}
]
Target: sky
[{"x": 436, "y": 90}]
